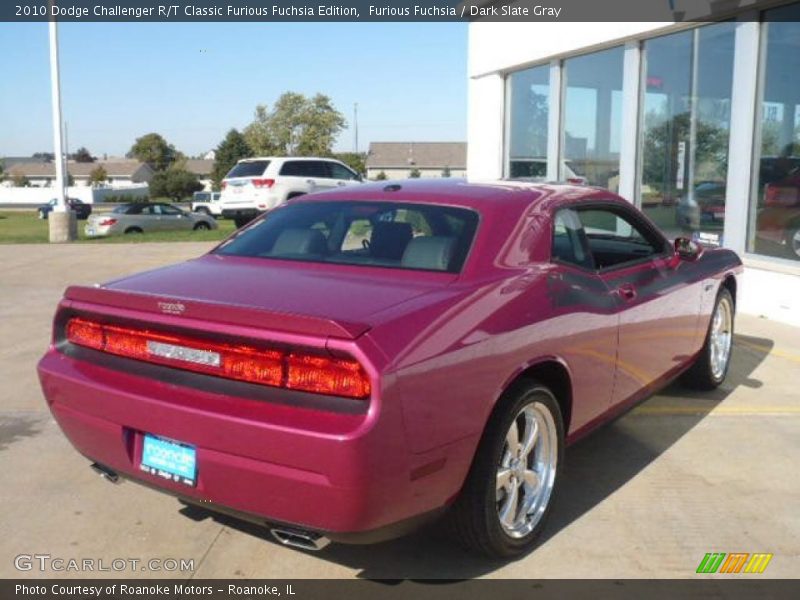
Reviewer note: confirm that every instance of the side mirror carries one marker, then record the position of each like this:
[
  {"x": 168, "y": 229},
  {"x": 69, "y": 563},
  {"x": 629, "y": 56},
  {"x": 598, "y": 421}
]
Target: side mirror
[{"x": 687, "y": 249}]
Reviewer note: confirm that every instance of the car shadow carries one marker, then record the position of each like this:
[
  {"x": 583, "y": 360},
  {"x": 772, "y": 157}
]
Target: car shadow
[{"x": 594, "y": 468}]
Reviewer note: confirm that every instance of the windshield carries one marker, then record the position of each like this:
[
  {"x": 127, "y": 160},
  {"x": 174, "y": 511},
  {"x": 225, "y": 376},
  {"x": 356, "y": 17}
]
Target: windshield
[
  {"x": 250, "y": 168},
  {"x": 378, "y": 234}
]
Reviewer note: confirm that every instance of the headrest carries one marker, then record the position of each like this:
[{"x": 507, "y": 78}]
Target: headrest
[
  {"x": 300, "y": 241},
  {"x": 389, "y": 239},
  {"x": 429, "y": 252}
]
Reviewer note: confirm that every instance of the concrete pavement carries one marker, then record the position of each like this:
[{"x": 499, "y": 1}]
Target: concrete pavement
[{"x": 648, "y": 496}]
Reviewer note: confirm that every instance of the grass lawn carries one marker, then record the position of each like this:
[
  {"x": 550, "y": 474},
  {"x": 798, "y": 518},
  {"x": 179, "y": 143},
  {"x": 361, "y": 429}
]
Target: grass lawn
[{"x": 24, "y": 227}]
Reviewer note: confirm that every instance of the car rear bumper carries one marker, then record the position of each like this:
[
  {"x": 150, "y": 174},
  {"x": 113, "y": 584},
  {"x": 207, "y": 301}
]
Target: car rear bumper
[{"x": 345, "y": 475}]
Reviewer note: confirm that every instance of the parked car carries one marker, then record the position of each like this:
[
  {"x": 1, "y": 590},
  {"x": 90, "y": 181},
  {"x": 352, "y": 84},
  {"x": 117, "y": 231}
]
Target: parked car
[
  {"x": 255, "y": 185},
  {"x": 778, "y": 221},
  {"x": 207, "y": 203},
  {"x": 357, "y": 362},
  {"x": 82, "y": 210},
  {"x": 144, "y": 217},
  {"x": 704, "y": 209}
]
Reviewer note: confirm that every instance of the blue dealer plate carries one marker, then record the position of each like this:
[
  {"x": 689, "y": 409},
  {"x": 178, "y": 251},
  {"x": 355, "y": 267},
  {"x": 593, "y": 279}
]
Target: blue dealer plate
[{"x": 170, "y": 460}]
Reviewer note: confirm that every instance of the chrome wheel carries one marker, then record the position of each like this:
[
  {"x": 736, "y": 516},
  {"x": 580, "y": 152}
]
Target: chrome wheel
[
  {"x": 795, "y": 243},
  {"x": 721, "y": 337},
  {"x": 527, "y": 470}
]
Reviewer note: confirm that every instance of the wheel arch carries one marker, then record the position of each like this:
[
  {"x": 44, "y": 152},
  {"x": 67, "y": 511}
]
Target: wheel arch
[
  {"x": 552, "y": 372},
  {"x": 730, "y": 284}
]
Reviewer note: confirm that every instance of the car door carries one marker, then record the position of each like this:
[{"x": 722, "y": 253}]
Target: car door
[
  {"x": 320, "y": 172},
  {"x": 584, "y": 319},
  {"x": 295, "y": 176},
  {"x": 148, "y": 219},
  {"x": 658, "y": 308},
  {"x": 342, "y": 175},
  {"x": 173, "y": 218}
]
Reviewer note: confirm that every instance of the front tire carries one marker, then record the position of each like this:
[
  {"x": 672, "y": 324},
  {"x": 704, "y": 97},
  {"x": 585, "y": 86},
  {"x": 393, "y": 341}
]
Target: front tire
[
  {"x": 202, "y": 226},
  {"x": 711, "y": 365},
  {"x": 508, "y": 493}
]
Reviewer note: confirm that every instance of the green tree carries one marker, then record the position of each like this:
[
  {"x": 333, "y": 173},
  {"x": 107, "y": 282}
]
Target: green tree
[
  {"x": 2, "y": 171},
  {"x": 230, "y": 150},
  {"x": 355, "y": 160},
  {"x": 154, "y": 150},
  {"x": 296, "y": 126},
  {"x": 175, "y": 183},
  {"x": 381, "y": 176},
  {"x": 19, "y": 180},
  {"x": 446, "y": 172},
  {"x": 415, "y": 173},
  {"x": 70, "y": 179},
  {"x": 82, "y": 155},
  {"x": 98, "y": 176}
]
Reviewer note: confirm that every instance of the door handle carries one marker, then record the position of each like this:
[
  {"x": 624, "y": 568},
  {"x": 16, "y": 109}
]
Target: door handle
[{"x": 627, "y": 291}]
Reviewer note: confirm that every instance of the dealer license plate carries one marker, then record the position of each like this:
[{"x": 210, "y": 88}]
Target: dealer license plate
[{"x": 168, "y": 459}]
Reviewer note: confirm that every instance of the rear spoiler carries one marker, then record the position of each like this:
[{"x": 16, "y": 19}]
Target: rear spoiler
[{"x": 246, "y": 316}]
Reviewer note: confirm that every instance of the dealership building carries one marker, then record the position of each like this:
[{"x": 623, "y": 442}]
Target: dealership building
[{"x": 696, "y": 123}]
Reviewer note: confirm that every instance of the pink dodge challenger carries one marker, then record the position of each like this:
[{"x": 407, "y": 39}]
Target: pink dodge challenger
[{"x": 357, "y": 362}]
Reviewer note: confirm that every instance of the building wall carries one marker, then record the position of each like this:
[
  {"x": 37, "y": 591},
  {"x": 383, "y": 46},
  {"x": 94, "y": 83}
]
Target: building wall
[{"x": 497, "y": 51}]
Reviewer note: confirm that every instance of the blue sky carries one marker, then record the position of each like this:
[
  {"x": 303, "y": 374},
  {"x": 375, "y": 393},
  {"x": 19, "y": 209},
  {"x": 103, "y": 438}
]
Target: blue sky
[{"x": 192, "y": 82}]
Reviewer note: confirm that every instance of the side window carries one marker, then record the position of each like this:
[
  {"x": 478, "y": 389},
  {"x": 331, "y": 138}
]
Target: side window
[
  {"x": 170, "y": 210},
  {"x": 358, "y": 231},
  {"x": 615, "y": 238},
  {"x": 340, "y": 172},
  {"x": 569, "y": 240},
  {"x": 292, "y": 168},
  {"x": 318, "y": 168}
]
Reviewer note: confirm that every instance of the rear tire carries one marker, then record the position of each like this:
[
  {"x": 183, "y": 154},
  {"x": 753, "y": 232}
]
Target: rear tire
[
  {"x": 711, "y": 365},
  {"x": 201, "y": 226},
  {"x": 508, "y": 493},
  {"x": 133, "y": 230},
  {"x": 203, "y": 211}
]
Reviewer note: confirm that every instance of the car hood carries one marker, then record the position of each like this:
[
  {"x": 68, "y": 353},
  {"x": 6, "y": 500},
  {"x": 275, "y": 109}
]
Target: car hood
[{"x": 341, "y": 294}]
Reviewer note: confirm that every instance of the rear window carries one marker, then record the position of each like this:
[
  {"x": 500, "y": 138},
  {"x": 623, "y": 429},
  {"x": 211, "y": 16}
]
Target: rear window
[
  {"x": 377, "y": 234},
  {"x": 250, "y": 168}
]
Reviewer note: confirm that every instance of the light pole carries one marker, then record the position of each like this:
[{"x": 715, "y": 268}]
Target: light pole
[
  {"x": 355, "y": 124},
  {"x": 61, "y": 220}
]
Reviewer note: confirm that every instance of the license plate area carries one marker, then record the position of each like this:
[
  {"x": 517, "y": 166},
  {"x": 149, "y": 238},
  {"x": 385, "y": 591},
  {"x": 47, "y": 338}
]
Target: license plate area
[{"x": 170, "y": 460}]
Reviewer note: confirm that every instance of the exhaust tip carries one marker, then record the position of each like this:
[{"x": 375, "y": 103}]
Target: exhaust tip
[
  {"x": 297, "y": 538},
  {"x": 106, "y": 473}
]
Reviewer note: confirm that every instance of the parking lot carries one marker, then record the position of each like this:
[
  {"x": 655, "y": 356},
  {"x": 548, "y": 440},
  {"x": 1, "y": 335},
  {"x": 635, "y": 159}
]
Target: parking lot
[{"x": 681, "y": 475}]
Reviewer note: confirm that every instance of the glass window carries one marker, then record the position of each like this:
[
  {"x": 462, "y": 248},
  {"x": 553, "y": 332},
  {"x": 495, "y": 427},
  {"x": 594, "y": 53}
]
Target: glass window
[
  {"x": 527, "y": 128},
  {"x": 384, "y": 234},
  {"x": 593, "y": 118},
  {"x": 774, "y": 219},
  {"x": 685, "y": 128},
  {"x": 340, "y": 172},
  {"x": 569, "y": 240},
  {"x": 249, "y": 168},
  {"x": 614, "y": 238}
]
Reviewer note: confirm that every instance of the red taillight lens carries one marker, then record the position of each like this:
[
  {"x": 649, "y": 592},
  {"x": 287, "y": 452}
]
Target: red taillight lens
[
  {"x": 780, "y": 195},
  {"x": 85, "y": 333},
  {"x": 107, "y": 222},
  {"x": 335, "y": 376},
  {"x": 263, "y": 183},
  {"x": 295, "y": 370}
]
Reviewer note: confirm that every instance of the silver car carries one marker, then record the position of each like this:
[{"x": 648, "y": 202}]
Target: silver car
[{"x": 146, "y": 217}]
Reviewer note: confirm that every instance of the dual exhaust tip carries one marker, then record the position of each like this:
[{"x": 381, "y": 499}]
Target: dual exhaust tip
[{"x": 287, "y": 536}]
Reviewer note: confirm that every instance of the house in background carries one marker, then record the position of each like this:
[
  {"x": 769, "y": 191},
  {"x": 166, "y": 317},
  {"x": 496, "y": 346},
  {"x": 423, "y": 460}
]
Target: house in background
[
  {"x": 202, "y": 168},
  {"x": 120, "y": 172},
  {"x": 397, "y": 160}
]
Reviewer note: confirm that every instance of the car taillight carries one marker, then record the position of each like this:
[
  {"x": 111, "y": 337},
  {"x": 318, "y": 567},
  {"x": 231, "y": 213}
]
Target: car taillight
[
  {"x": 107, "y": 222},
  {"x": 780, "y": 195},
  {"x": 575, "y": 180},
  {"x": 279, "y": 368},
  {"x": 263, "y": 183}
]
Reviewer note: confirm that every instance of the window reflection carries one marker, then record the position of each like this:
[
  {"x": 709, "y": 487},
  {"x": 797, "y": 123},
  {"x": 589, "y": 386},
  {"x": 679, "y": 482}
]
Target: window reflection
[
  {"x": 685, "y": 129},
  {"x": 774, "y": 224},
  {"x": 593, "y": 118},
  {"x": 529, "y": 107}
]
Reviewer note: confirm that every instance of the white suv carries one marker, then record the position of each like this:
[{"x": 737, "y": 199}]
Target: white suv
[{"x": 255, "y": 185}]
